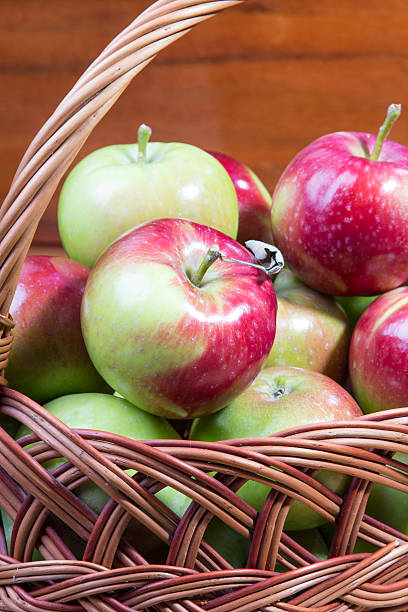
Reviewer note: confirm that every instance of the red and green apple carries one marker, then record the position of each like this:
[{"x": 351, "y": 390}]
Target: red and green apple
[
  {"x": 48, "y": 357},
  {"x": 171, "y": 333}
]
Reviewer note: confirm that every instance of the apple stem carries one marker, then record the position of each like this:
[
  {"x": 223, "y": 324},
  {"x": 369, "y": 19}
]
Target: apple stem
[
  {"x": 208, "y": 260},
  {"x": 211, "y": 256},
  {"x": 143, "y": 135},
  {"x": 393, "y": 112}
]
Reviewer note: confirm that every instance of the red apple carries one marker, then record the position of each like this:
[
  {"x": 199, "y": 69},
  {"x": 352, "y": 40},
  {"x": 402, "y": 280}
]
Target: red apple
[
  {"x": 48, "y": 357},
  {"x": 169, "y": 334},
  {"x": 378, "y": 361},
  {"x": 254, "y": 200},
  {"x": 278, "y": 399},
  {"x": 340, "y": 214},
  {"x": 312, "y": 330}
]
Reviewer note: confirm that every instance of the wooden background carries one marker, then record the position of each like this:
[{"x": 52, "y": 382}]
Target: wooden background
[{"x": 260, "y": 81}]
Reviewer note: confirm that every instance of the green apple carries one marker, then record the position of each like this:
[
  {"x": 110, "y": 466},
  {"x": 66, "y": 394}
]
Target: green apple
[
  {"x": 9, "y": 424},
  {"x": 232, "y": 546},
  {"x": 115, "y": 415},
  {"x": 312, "y": 540},
  {"x": 105, "y": 413},
  {"x": 312, "y": 330},
  {"x": 355, "y": 306},
  {"x": 280, "y": 398},
  {"x": 120, "y": 186}
]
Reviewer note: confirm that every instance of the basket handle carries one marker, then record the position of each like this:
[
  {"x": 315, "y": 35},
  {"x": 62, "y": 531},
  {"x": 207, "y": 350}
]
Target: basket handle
[{"x": 57, "y": 143}]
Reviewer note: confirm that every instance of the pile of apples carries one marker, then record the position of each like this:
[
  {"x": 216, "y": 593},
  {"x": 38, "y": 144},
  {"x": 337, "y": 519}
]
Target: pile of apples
[{"x": 167, "y": 317}]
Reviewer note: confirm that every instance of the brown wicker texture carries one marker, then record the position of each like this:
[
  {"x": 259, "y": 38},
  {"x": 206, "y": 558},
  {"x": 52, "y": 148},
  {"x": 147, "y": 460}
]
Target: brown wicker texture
[{"x": 110, "y": 574}]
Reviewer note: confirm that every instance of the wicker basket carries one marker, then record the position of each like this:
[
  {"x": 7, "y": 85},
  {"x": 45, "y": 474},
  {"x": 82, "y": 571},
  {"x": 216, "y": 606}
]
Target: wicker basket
[{"x": 112, "y": 575}]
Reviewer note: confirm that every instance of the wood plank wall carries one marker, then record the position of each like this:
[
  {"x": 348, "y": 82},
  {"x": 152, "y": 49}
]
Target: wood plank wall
[{"x": 259, "y": 81}]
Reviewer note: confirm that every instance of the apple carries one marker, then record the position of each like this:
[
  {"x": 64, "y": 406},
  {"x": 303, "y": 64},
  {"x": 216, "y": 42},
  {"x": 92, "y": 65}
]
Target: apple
[
  {"x": 170, "y": 332},
  {"x": 378, "y": 359},
  {"x": 48, "y": 356},
  {"x": 340, "y": 214},
  {"x": 104, "y": 412},
  {"x": 312, "y": 331},
  {"x": 232, "y": 546},
  {"x": 120, "y": 186},
  {"x": 254, "y": 200},
  {"x": 280, "y": 398},
  {"x": 113, "y": 414}
]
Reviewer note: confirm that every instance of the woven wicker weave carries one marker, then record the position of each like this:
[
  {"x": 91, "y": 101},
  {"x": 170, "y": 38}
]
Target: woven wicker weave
[{"x": 112, "y": 575}]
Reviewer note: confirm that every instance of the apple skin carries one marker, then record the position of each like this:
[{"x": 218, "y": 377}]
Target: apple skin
[
  {"x": 111, "y": 190},
  {"x": 378, "y": 358},
  {"x": 278, "y": 399},
  {"x": 312, "y": 331},
  {"x": 340, "y": 219},
  {"x": 254, "y": 200},
  {"x": 355, "y": 306},
  {"x": 104, "y": 412},
  {"x": 165, "y": 344},
  {"x": 49, "y": 357}
]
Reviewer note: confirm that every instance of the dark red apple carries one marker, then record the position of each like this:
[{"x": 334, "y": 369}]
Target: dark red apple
[{"x": 254, "y": 200}]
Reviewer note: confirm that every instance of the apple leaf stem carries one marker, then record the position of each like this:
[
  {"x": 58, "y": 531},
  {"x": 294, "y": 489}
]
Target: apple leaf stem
[
  {"x": 393, "y": 112},
  {"x": 143, "y": 135}
]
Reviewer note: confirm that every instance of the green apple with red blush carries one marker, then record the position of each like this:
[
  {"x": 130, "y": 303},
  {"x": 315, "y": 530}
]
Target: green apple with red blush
[
  {"x": 340, "y": 215},
  {"x": 281, "y": 398},
  {"x": 118, "y": 187},
  {"x": 178, "y": 318},
  {"x": 312, "y": 330}
]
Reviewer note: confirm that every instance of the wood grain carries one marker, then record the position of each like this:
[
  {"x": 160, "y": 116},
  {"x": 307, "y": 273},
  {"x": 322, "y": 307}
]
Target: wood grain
[{"x": 259, "y": 81}]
